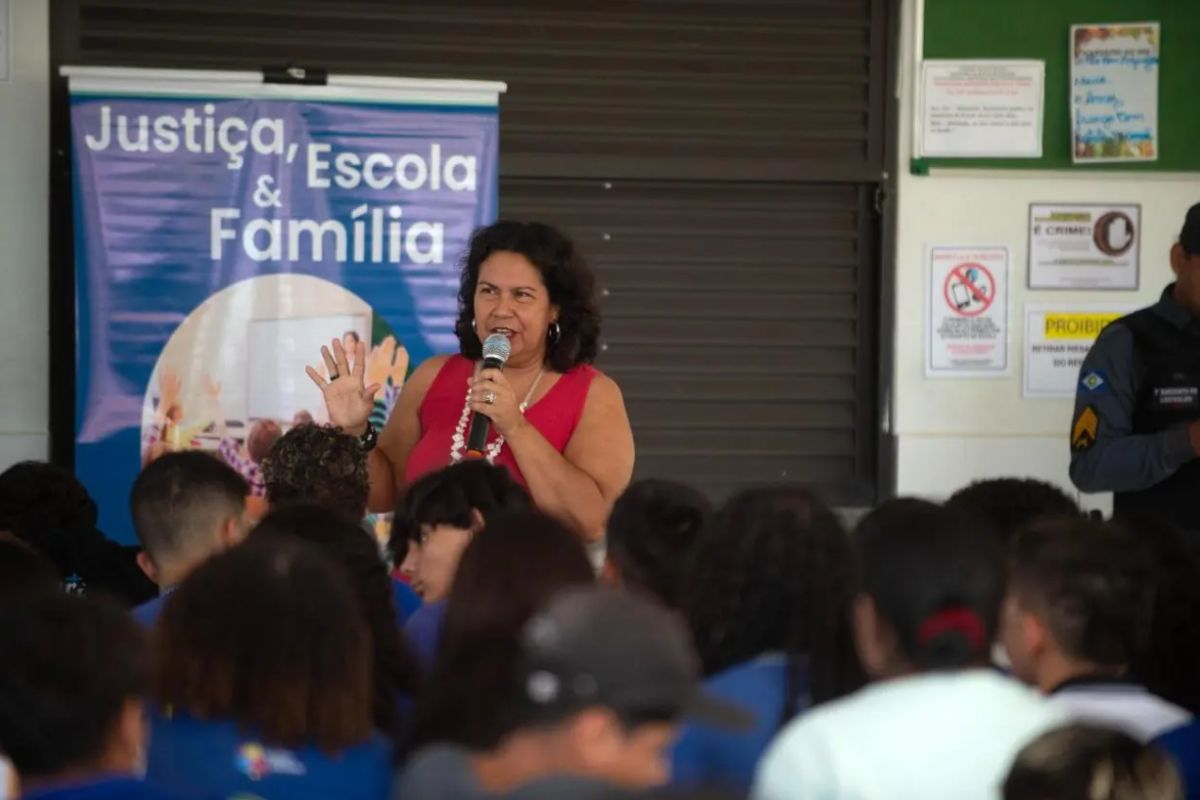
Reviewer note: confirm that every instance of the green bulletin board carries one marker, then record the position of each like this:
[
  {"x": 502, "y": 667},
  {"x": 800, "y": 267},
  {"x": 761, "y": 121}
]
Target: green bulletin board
[{"x": 1039, "y": 29}]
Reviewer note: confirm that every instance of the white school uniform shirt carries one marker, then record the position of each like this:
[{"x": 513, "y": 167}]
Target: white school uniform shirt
[
  {"x": 934, "y": 736},
  {"x": 1119, "y": 704}
]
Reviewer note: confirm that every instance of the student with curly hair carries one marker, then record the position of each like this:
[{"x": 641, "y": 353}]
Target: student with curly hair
[
  {"x": 396, "y": 674},
  {"x": 558, "y": 425},
  {"x": 767, "y": 597},
  {"x": 263, "y": 680},
  {"x": 318, "y": 464}
]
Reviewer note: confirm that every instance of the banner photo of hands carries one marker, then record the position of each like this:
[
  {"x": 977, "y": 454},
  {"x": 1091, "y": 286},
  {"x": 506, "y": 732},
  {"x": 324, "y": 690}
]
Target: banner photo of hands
[{"x": 226, "y": 228}]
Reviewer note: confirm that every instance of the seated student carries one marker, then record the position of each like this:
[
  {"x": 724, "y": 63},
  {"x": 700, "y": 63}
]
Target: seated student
[
  {"x": 1009, "y": 504},
  {"x": 321, "y": 464},
  {"x": 651, "y": 533},
  {"x": 396, "y": 672},
  {"x": 768, "y": 602},
  {"x": 72, "y": 677},
  {"x": 604, "y": 678},
  {"x": 938, "y": 722},
  {"x": 262, "y": 680},
  {"x": 1081, "y": 762},
  {"x": 186, "y": 506},
  {"x": 508, "y": 571},
  {"x": 1078, "y": 611},
  {"x": 437, "y": 518},
  {"x": 1004, "y": 506},
  {"x": 47, "y": 507}
]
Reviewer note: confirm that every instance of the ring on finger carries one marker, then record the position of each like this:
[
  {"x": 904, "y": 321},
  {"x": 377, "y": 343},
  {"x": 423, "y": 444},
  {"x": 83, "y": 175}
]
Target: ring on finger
[{"x": 489, "y": 397}]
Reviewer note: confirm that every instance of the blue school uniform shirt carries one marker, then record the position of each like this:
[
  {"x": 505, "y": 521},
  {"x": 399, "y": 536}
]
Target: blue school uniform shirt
[
  {"x": 103, "y": 788},
  {"x": 424, "y": 630},
  {"x": 147, "y": 613},
  {"x": 705, "y": 756},
  {"x": 1183, "y": 746},
  {"x": 207, "y": 759},
  {"x": 407, "y": 601}
]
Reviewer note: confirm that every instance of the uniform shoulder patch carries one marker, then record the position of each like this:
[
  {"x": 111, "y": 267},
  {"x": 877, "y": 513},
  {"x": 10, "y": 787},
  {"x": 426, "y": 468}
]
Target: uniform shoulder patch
[
  {"x": 1093, "y": 381},
  {"x": 1083, "y": 433}
]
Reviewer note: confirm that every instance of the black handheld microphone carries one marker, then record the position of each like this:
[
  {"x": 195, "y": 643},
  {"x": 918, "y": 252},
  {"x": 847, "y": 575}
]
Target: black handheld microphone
[{"x": 496, "y": 350}]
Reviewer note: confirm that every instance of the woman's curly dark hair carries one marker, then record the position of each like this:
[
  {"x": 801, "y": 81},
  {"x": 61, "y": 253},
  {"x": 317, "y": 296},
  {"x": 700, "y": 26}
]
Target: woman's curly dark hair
[
  {"x": 773, "y": 572},
  {"x": 568, "y": 278}
]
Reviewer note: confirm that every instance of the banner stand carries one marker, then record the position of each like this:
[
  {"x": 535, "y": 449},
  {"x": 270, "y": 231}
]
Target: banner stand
[{"x": 229, "y": 223}]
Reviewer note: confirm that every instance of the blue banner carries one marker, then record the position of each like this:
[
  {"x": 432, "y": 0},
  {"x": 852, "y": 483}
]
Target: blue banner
[{"x": 225, "y": 229}]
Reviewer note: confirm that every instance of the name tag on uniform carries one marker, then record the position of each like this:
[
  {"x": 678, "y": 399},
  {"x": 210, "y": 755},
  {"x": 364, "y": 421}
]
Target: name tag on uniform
[{"x": 1176, "y": 397}]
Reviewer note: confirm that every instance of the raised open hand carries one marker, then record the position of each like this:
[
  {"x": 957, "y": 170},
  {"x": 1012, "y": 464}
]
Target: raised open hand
[{"x": 347, "y": 399}]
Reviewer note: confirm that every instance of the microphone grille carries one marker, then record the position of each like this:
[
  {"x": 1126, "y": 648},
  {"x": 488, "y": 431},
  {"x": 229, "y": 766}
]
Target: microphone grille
[{"x": 498, "y": 347}]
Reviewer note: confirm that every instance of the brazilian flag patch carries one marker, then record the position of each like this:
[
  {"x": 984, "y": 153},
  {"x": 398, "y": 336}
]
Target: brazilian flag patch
[{"x": 1083, "y": 433}]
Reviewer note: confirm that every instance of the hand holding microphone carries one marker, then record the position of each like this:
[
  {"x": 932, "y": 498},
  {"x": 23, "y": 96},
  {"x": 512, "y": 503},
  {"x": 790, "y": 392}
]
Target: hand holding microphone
[{"x": 493, "y": 400}]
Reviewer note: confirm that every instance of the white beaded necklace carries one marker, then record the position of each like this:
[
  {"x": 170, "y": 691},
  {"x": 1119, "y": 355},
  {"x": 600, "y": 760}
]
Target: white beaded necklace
[{"x": 458, "y": 443}]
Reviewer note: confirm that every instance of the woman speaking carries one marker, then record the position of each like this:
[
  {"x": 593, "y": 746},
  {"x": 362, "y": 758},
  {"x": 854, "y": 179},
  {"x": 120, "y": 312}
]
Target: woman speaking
[{"x": 558, "y": 424}]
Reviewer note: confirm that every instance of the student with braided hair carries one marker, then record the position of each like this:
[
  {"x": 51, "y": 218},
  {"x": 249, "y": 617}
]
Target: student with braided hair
[{"x": 768, "y": 602}]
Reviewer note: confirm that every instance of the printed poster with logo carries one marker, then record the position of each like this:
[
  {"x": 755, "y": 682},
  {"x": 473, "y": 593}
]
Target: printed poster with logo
[
  {"x": 226, "y": 228},
  {"x": 1084, "y": 246},
  {"x": 1057, "y": 339},
  {"x": 967, "y": 331}
]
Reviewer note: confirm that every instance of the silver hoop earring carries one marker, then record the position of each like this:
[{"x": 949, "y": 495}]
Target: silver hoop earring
[{"x": 555, "y": 333}]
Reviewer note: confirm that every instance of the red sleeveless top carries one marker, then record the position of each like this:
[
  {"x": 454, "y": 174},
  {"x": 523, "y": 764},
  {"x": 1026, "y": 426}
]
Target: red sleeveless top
[{"x": 555, "y": 416}]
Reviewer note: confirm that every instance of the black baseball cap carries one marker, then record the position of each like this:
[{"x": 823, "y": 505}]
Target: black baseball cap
[
  {"x": 1189, "y": 237},
  {"x": 608, "y": 647}
]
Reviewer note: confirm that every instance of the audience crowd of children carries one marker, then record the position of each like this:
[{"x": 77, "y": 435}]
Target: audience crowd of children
[{"x": 998, "y": 645}]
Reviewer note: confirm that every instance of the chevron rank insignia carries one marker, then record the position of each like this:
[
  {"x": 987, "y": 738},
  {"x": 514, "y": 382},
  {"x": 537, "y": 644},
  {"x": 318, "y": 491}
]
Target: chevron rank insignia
[{"x": 1083, "y": 434}]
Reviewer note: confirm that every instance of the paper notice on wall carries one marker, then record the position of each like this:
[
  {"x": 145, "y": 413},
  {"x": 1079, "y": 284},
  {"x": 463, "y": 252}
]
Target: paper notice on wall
[
  {"x": 967, "y": 319},
  {"x": 981, "y": 108},
  {"x": 1057, "y": 339},
  {"x": 1114, "y": 92},
  {"x": 5, "y": 23},
  {"x": 1084, "y": 246}
]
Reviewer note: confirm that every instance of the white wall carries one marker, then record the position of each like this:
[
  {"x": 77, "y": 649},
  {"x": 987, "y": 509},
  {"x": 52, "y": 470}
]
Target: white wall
[
  {"x": 24, "y": 215},
  {"x": 952, "y": 431}
]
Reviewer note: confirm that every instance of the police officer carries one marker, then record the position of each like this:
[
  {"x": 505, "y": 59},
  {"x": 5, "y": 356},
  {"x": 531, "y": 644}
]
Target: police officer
[{"x": 1136, "y": 430}]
